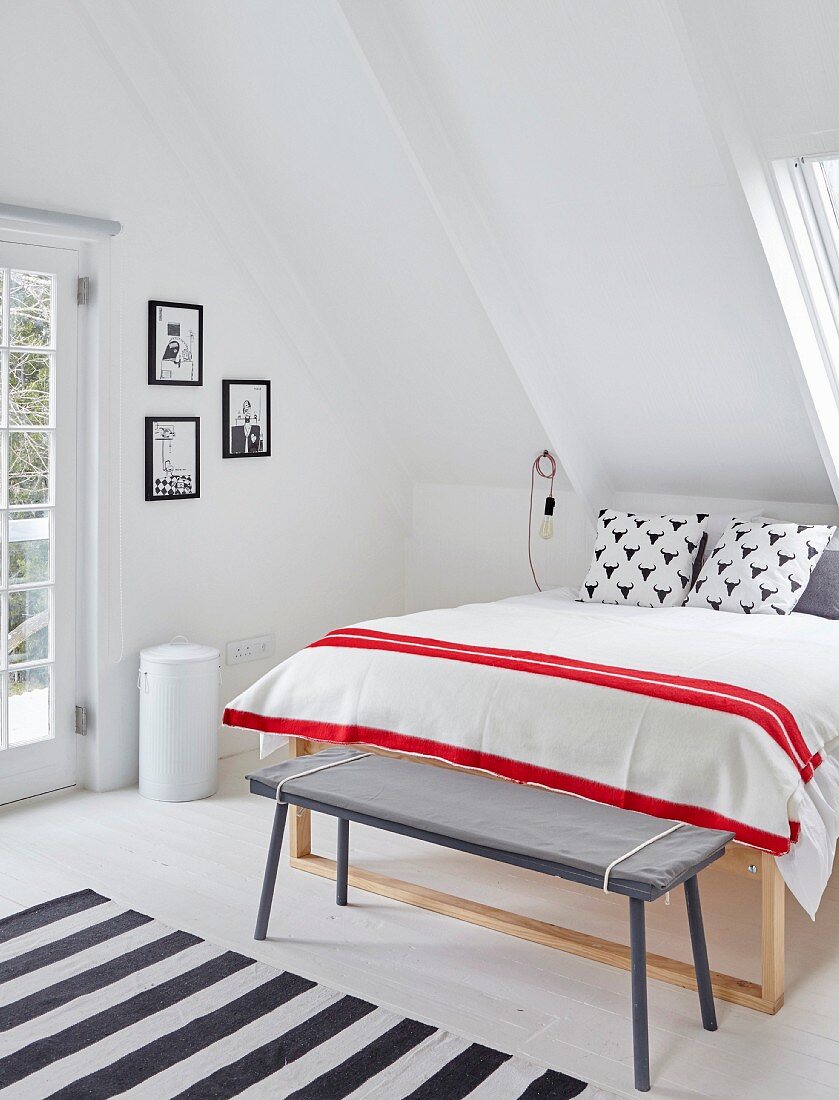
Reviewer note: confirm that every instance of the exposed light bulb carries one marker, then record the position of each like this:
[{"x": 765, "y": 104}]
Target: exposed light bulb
[{"x": 546, "y": 530}]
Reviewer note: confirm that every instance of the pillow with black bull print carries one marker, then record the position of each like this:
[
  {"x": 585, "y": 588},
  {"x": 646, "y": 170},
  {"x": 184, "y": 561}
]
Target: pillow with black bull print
[
  {"x": 643, "y": 561},
  {"x": 760, "y": 567}
]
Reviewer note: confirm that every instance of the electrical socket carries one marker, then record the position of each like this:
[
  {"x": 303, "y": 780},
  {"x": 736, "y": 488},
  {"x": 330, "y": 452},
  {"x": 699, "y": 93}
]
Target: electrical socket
[{"x": 250, "y": 649}]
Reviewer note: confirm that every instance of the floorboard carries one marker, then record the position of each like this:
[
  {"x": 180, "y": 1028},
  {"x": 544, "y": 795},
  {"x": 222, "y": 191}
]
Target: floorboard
[{"x": 198, "y": 865}]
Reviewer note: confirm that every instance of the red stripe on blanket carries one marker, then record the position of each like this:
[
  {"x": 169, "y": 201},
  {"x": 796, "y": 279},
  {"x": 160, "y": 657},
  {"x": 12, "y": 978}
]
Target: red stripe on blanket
[
  {"x": 773, "y": 717},
  {"x": 786, "y": 719},
  {"x": 517, "y": 770}
]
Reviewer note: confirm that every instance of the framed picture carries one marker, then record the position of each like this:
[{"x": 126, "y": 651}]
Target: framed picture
[
  {"x": 176, "y": 344},
  {"x": 173, "y": 457},
  {"x": 245, "y": 418}
]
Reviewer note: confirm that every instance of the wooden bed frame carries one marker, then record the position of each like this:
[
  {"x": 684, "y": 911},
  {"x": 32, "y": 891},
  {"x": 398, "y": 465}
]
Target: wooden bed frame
[{"x": 765, "y": 996}]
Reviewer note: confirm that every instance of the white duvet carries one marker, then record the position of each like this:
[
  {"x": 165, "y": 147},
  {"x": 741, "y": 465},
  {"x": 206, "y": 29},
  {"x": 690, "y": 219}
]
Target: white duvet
[{"x": 719, "y": 719}]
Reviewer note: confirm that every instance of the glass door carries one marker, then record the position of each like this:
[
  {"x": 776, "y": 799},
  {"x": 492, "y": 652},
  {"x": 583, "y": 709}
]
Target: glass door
[{"x": 38, "y": 352}]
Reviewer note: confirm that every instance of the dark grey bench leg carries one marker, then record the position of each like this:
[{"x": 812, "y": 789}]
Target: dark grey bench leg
[
  {"x": 700, "y": 955},
  {"x": 640, "y": 1020},
  {"x": 343, "y": 861},
  {"x": 274, "y": 848}
]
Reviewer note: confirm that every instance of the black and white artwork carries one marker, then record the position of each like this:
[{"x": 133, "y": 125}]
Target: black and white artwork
[
  {"x": 173, "y": 457},
  {"x": 176, "y": 344},
  {"x": 246, "y": 418}
]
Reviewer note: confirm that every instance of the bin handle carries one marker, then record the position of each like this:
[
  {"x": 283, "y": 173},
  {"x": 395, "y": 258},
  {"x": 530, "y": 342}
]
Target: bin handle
[
  {"x": 143, "y": 681},
  {"x": 180, "y": 639}
]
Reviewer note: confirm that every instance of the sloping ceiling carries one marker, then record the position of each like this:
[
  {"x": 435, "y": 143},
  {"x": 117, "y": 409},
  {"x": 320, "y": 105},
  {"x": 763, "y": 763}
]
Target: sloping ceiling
[
  {"x": 292, "y": 111},
  {"x": 783, "y": 61},
  {"x": 587, "y": 146},
  {"x": 583, "y": 142}
]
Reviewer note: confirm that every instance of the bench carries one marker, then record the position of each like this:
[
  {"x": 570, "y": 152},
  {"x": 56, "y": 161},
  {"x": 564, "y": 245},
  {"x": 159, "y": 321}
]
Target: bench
[{"x": 611, "y": 849}]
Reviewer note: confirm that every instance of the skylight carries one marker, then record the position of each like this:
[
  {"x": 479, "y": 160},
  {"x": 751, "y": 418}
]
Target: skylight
[
  {"x": 804, "y": 260},
  {"x": 809, "y": 192},
  {"x": 819, "y": 196},
  {"x": 830, "y": 171},
  {"x": 820, "y": 178}
]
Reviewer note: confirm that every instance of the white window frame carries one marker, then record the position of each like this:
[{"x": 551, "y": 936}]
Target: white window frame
[
  {"x": 101, "y": 765},
  {"x": 49, "y": 763},
  {"x": 813, "y": 235}
]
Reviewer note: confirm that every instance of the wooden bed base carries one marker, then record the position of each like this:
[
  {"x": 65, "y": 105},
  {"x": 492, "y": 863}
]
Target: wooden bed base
[{"x": 765, "y": 996}]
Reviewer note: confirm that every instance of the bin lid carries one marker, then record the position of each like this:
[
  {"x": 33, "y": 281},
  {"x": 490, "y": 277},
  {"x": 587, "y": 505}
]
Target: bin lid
[{"x": 178, "y": 652}]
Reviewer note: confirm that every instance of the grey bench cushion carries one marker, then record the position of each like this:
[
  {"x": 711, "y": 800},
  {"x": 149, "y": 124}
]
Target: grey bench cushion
[{"x": 541, "y": 825}]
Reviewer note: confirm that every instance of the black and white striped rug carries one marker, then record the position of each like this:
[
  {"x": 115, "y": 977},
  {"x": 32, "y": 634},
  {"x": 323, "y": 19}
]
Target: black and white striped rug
[{"x": 97, "y": 1000}]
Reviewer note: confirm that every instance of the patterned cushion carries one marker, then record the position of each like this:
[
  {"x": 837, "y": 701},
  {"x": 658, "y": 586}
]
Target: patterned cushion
[
  {"x": 645, "y": 561},
  {"x": 760, "y": 567}
]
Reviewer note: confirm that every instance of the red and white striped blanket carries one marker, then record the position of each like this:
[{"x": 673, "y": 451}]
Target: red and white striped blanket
[{"x": 719, "y": 720}]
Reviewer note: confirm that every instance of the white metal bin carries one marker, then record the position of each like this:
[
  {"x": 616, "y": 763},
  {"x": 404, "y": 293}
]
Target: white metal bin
[{"x": 179, "y": 714}]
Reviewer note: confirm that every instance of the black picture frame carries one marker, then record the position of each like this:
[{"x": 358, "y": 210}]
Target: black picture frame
[
  {"x": 185, "y": 473},
  {"x": 196, "y": 355},
  {"x": 230, "y": 429}
]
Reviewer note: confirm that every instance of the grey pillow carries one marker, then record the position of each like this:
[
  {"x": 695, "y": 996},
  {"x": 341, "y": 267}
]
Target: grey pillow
[{"x": 821, "y": 596}]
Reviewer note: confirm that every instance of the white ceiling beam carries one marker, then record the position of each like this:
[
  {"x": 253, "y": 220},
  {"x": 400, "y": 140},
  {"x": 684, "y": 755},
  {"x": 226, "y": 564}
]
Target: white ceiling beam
[
  {"x": 425, "y": 141},
  {"x": 251, "y": 243},
  {"x": 754, "y": 183}
]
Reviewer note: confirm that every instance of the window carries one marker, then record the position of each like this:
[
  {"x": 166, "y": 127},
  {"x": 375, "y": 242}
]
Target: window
[
  {"x": 819, "y": 195},
  {"x": 808, "y": 189},
  {"x": 29, "y": 354},
  {"x": 38, "y": 332}
]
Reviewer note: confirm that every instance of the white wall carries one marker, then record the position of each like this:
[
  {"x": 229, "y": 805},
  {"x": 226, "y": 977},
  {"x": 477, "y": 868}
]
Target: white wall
[
  {"x": 782, "y": 58},
  {"x": 296, "y": 119},
  {"x": 784, "y": 510},
  {"x": 583, "y": 137},
  {"x": 470, "y": 544},
  {"x": 583, "y": 140},
  {"x": 292, "y": 544},
  {"x": 255, "y": 171}
]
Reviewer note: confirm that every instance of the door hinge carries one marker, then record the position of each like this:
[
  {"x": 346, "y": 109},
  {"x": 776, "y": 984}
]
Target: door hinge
[
  {"x": 81, "y": 721},
  {"x": 83, "y": 291}
]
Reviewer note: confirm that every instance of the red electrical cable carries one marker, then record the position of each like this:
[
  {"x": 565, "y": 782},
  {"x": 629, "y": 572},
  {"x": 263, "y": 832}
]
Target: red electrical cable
[{"x": 535, "y": 469}]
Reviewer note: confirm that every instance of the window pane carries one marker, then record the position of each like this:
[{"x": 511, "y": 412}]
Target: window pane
[
  {"x": 29, "y": 547},
  {"x": 29, "y": 705},
  {"x": 30, "y": 309},
  {"x": 29, "y": 467},
  {"x": 29, "y": 620},
  {"x": 29, "y": 387},
  {"x": 2, "y": 302},
  {"x": 831, "y": 178}
]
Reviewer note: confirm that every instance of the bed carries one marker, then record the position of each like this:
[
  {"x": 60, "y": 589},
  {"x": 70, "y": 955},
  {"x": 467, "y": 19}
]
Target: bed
[{"x": 727, "y": 721}]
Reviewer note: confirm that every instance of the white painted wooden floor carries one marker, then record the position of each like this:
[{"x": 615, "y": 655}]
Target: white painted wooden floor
[{"x": 198, "y": 866}]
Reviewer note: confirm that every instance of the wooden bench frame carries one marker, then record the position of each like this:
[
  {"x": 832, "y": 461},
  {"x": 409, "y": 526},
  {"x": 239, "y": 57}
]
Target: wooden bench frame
[{"x": 765, "y": 996}]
